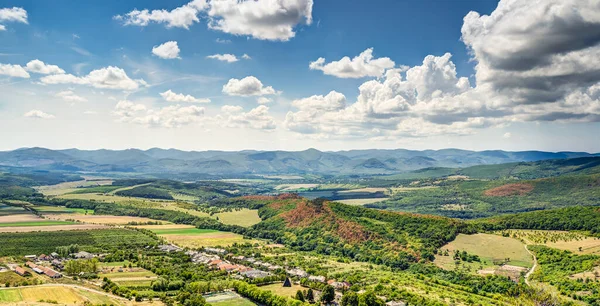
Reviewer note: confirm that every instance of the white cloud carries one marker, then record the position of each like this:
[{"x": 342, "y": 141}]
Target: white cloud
[
  {"x": 109, "y": 77},
  {"x": 246, "y": 56},
  {"x": 70, "y": 96},
  {"x": 331, "y": 102},
  {"x": 15, "y": 14},
  {"x": 167, "y": 117},
  {"x": 38, "y": 66},
  {"x": 263, "y": 100},
  {"x": 257, "y": 118},
  {"x": 170, "y": 96},
  {"x": 230, "y": 58},
  {"x": 265, "y": 19},
  {"x": 13, "y": 71},
  {"x": 363, "y": 65},
  {"x": 248, "y": 86},
  {"x": 38, "y": 114},
  {"x": 507, "y": 135},
  {"x": 181, "y": 17},
  {"x": 168, "y": 50}
]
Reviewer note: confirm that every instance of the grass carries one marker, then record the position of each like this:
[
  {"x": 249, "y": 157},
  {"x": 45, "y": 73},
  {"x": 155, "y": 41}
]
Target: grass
[
  {"x": 562, "y": 240},
  {"x": 243, "y": 217},
  {"x": 196, "y": 238},
  {"x": 58, "y": 294},
  {"x": 59, "y": 209},
  {"x": 120, "y": 275},
  {"x": 34, "y": 223},
  {"x": 489, "y": 248},
  {"x": 361, "y": 202},
  {"x": 239, "y": 301},
  {"x": 278, "y": 289}
]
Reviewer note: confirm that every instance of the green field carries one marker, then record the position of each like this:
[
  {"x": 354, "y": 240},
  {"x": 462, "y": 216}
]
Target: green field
[
  {"x": 59, "y": 210},
  {"x": 243, "y": 217},
  {"x": 278, "y": 289},
  {"x": 35, "y": 223},
  {"x": 490, "y": 248},
  {"x": 117, "y": 275},
  {"x": 228, "y": 299}
]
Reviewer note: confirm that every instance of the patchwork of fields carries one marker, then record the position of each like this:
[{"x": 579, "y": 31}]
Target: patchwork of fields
[{"x": 189, "y": 236}]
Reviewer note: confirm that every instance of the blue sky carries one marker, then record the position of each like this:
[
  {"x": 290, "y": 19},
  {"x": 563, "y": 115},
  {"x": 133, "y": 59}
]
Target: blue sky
[{"x": 408, "y": 94}]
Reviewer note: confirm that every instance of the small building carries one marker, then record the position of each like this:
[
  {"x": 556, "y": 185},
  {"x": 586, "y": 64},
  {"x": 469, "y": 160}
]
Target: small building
[
  {"x": 44, "y": 257},
  {"x": 287, "y": 282},
  {"x": 320, "y": 278},
  {"x": 37, "y": 270},
  {"x": 31, "y": 264},
  {"x": 83, "y": 255},
  {"x": 395, "y": 303},
  {"x": 30, "y": 257},
  {"x": 21, "y": 271},
  {"x": 254, "y": 274},
  {"x": 54, "y": 255},
  {"x": 51, "y": 273}
]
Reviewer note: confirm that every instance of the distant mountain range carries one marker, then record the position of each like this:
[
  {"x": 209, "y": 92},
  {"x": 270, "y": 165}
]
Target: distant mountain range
[{"x": 264, "y": 162}]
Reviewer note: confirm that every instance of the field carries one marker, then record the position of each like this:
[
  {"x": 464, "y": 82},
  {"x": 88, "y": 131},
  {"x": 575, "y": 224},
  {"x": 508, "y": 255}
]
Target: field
[
  {"x": 278, "y": 289},
  {"x": 189, "y": 236},
  {"x": 103, "y": 219},
  {"x": 51, "y": 228},
  {"x": 23, "y": 217},
  {"x": 228, "y": 299},
  {"x": 89, "y": 240},
  {"x": 56, "y": 294},
  {"x": 243, "y": 217},
  {"x": 48, "y": 210},
  {"x": 41, "y": 222},
  {"x": 562, "y": 240},
  {"x": 7, "y": 210},
  {"x": 490, "y": 249},
  {"x": 361, "y": 201},
  {"x": 62, "y": 188},
  {"x": 129, "y": 277},
  {"x": 292, "y": 187}
]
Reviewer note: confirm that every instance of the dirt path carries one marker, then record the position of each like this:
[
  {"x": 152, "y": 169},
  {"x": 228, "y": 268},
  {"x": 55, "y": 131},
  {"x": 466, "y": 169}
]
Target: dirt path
[{"x": 532, "y": 268}]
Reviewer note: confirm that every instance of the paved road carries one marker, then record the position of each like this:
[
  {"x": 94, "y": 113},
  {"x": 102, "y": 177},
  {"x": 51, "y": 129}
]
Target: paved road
[{"x": 532, "y": 268}]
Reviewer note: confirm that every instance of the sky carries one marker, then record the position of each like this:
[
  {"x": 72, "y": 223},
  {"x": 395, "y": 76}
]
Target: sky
[{"x": 297, "y": 74}]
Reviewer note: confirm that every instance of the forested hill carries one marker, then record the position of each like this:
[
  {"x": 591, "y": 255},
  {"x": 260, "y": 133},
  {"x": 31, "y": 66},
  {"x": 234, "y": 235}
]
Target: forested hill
[{"x": 266, "y": 162}]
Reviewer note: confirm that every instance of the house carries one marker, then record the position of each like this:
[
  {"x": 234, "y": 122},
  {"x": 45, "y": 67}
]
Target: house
[
  {"x": 297, "y": 272},
  {"x": 215, "y": 250},
  {"x": 340, "y": 285},
  {"x": 44, "y": 257},
  {"x": 30, "y": 257},
  {"x": 169, "y": 248},
  {"x": 31, "y": 264},
  {"x": 57, "y": 263},
  {"x": 254, "y": 274},
  {"x": 21, "y": 271},
  {"x": 320, "y": 278},
  {"x": 54, "y": 254},
  {"x": 83, "y": 255},
  {"x": 287, "y": 282},
  {"x": 395, "y": 303},
  {"x": 37, "y": 270},
  {"x": 51, "y": 273}
]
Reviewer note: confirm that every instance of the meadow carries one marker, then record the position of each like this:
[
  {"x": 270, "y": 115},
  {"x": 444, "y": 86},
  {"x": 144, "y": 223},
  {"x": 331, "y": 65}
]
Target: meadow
[
  {"x": 243, "y": 217},
  {"x": 189, "y": 236},
  {"x": 575, "y": 242},
  {"x": 228, "y": 299},
  {"x": 492, "y": 250},
  {"x": 55, "y": 294},
  {"x": 278, "y": 289}
]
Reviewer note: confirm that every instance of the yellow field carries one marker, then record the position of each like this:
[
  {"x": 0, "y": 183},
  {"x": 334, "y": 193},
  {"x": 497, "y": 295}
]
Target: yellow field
[
  {"x": 102, "y": 219},
  {"x": 288, "y": 187},
  {"x": 243, "y": 217},
  {"x": 361, "y": 201},
  {"x": 50, "y": 228},
  {"x": 367, "y": 189},
  {"x": 489, "y": 248},
  {"x": 19, "y": 218},
  {"x": 65, "y": 295},
  {"x": 62, "y": 188},
  {"x": 278, "y": 289},
  {"x": 562, "y": 240}
]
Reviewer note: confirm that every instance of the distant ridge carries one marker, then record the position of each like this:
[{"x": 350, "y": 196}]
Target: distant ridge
[{"x": 158, "y": 160}]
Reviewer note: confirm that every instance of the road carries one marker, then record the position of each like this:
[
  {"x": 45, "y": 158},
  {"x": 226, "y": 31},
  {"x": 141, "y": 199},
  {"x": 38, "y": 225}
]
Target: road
[{"x": 532, "y": 268}]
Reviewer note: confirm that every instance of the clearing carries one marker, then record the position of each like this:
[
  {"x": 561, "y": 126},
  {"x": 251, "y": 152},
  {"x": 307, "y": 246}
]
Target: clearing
[
  {"x": 55, "y": 294},
  {"x": 189, "y": 236},
  {"x": 244, "y": 217},
  {"x": 509, "y": 190},
  {"x": 562, "y": 240},
  {"x": 361, "y": 201},
  {"x": 493, "y": 250},
  {"x": 228, "y": 299},
  {"x": 278, "y": 289},
  {"x": 103, "y": 219}
]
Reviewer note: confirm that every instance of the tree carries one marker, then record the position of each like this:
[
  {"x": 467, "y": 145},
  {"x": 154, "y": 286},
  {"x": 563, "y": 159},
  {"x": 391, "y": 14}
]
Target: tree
[
  {"x": 328, "y": 294},
  {"x": 299, "y": 295},
  {"x": 370, "y": 299},
  {"x": 310, "y": 296},
  {"x": 350, "y": 298}
]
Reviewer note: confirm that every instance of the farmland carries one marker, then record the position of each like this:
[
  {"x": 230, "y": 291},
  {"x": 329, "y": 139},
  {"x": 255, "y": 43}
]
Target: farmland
[
  {"x": 102, "y": 219},
  {"x": 189, "y": 236},
  {"x": 57, "y": 294},
  {"x": 562, "y": 240},
  {"x": 492, "y": 250},
  {"x": 242, "y": 217}
]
